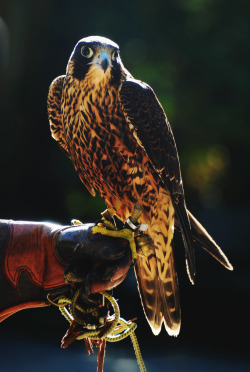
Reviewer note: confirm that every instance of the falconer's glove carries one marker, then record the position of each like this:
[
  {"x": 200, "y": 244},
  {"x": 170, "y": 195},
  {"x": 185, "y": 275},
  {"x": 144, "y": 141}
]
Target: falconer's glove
[{"x": 38, "y": 259}]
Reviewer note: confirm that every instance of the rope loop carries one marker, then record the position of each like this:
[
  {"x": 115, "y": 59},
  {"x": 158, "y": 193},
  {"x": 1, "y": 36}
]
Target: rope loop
[{"x": 116, "y": 328}]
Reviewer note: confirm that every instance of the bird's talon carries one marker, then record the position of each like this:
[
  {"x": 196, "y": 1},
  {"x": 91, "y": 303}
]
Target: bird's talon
[
  {"x": 108, "y": 224},
  {"x": 124, "y": 233},
  {"x": 105, "y": 224},
  {"x": 144, "y": 244},
  {"x": 108, "y": 214},
  {"x": 133, "y": 263}
]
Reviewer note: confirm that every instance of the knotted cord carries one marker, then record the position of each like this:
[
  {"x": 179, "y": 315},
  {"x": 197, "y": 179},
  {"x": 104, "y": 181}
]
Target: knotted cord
[{"x": 117, "y": 329}]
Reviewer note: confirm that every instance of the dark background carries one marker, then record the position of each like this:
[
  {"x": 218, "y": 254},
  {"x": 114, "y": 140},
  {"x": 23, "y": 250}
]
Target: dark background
[{"x": 195, "y": 55}]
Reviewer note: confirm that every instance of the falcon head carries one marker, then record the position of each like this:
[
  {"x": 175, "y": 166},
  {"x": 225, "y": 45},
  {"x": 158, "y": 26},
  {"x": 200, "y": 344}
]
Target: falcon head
[{"x": 96, "y": 57}]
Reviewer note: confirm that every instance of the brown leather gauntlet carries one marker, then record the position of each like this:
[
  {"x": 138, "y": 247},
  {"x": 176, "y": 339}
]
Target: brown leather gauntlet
[
  {"x": 30, "y": 265},
  {"x": 40, "y": 258}
]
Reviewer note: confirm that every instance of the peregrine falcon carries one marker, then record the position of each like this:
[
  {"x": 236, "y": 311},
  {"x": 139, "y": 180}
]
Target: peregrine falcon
[{"x": 118, "y": 137}]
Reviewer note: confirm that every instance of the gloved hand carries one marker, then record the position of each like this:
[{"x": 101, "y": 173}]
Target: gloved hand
[
  {"x": 41, "y": 258},
  {"x": 98, "y": 261}
]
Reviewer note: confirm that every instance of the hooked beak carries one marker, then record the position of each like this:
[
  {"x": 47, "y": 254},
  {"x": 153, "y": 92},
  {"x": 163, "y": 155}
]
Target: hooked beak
[{"x": 102, "y": 60}]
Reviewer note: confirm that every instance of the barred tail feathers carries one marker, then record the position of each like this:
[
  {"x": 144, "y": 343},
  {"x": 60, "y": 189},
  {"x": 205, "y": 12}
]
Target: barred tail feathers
[{"x": 157, "y": 279}]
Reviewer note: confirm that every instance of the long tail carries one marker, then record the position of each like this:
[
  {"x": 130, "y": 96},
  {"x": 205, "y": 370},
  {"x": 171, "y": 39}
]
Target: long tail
[
  {"x": 200, "y": 235},
  {"x": 156, "y": 275}
]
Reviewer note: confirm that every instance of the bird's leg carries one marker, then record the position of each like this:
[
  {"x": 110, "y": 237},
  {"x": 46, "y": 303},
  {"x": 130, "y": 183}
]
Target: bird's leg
[
  {"x": 106, "y": 227},
  {"x": 108, "y": 219}
]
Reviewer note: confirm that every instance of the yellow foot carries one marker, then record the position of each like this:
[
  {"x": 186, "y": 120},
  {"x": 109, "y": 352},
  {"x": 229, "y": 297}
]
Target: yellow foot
[
  {"x": 107, "y": 228},
  {"x": 144, "y": 244}
]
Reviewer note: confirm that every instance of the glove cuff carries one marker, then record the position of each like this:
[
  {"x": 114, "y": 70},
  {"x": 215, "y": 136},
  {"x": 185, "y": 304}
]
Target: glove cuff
[
  {"x": 31, "y": 248},
  {"x": 30, "y": 265}
]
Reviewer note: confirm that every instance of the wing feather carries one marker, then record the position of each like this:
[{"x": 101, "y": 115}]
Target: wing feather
[
  {"x": 200, "y": 235},
  {"x": 54, "y": 104},
  {"x": 149, "y": 124},
  {"x": 54, "y": 111}
]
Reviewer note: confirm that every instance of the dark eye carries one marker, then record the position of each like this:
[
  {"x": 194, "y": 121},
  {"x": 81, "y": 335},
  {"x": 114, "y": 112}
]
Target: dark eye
[
  {"x": 86, "y": 52},
  {"x": 115, "y": 55}
]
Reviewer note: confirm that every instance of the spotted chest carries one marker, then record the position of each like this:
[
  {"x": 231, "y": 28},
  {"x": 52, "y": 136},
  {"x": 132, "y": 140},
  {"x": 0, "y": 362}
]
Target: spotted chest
[{"x": 101, "y": 146}]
